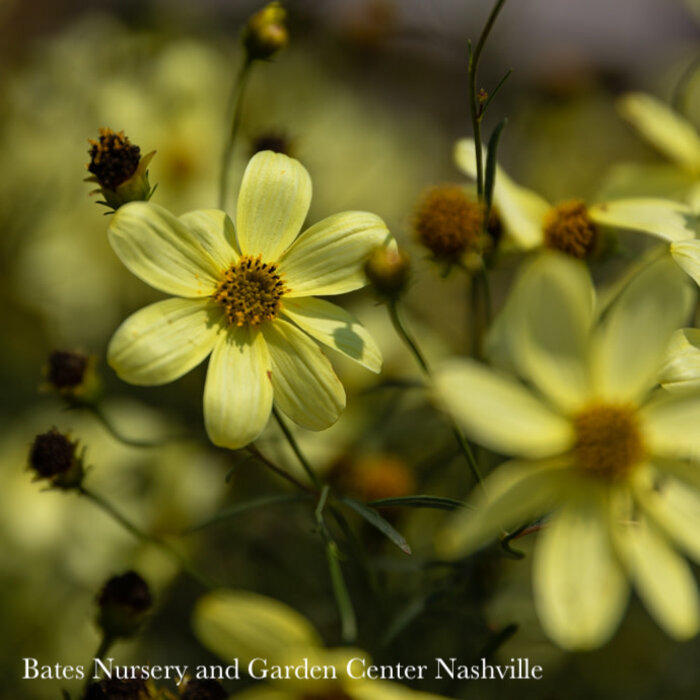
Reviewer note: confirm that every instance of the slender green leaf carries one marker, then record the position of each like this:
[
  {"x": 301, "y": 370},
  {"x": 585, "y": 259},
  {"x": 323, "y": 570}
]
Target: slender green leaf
[
  {"x": 376, "y": 520},
  {"x": 490, "y": 177},
  {"x": 421, "y": 501},
  {"x": 496, "y": 90},
  {"x": 340, "y": 591}
]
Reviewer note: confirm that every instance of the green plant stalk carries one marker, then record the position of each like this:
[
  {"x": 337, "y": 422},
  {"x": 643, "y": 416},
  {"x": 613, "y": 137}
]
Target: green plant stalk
[
  {"x": 474, "y": 58},
  {"x": 411, "y": 344},
  {"x": 105, "y": 645},
  {"x": 234, "y": 109},
  {"x": 139, "y": 534},
  {"x": 297, "y": 450}
]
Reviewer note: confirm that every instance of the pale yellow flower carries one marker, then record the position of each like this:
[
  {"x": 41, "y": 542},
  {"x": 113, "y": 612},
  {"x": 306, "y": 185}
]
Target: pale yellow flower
[
  {"x": 681, "y": 371},
  {"x": 597, "y": 442},
  {"x": 247, "y": 297},
  {"x": 530, "y": 222},
  {"x": 263, "y": 633}
]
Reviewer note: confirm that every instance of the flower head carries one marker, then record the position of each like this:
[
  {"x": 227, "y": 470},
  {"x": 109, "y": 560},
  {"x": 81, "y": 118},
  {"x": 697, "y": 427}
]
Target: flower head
[
  {"x": 247, "y": 296},
  {"x": 595, "y": 441},
  {"x": 54, "y": 456},
  {"x": 124, "y": 603},
  {"x": 578, "y": 230}
]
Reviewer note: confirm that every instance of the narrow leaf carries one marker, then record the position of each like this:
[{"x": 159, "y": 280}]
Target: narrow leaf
[
  {"x": 421, "y": 501},
  {"x": 340, "y": 591},
  {"x": 376, "y": 520}
]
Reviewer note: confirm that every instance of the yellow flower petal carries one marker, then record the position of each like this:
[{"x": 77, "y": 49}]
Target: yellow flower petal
[
  {"x": 499, "y": 413},
  {"x": 514, "y": 494},
  {"x": 671, "y": 426},
  {"x": 663, "y": 128},
  {"x": 163, "y": 341},
  {"x": 673, "y": 506},
  {"x": 550, "y": 315},
  {"x": 273, "y": 202},
  {"x": 246, "y": 625},
  {"x": 159, "y": 249},
  {"x": 329, "y": 257},
  {"x": 681, "y": 370},
  {"x": 687, "y": 255},
  {"x": 630, "y": 345},
  {"x": 661, "y": 576},
  {"x": 306, "y": 387},
  {"x": 216, "y": 234},
  {"x": 663, "y": 218},
  {"x": 237, "y": 391},
  {"x": 521, "y": 210},
  {"x": 580, "y": 588},
  {"x": 334, "y": 327}
]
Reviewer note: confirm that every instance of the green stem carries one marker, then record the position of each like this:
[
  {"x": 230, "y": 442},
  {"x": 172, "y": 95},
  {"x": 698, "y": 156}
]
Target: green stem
[
  {"x": 234, "y": 109},
  {"x": 296, "y": 449},
  {"x": 105, "y": 645},
  {"x": 139, "y": 534},
  {"x": 278, "y": 470},
  {"x": 420, "y": 358},
  {"x": 476, "y": 114}
]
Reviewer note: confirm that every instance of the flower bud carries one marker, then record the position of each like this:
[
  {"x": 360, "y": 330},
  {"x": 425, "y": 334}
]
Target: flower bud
[
  {"x": 371, "y": 477},
  {"x": 54, "y": 457},
  {"x": 72, "y": 374},
  {"x": 388, "y": 270},
  {"x": 203, "y": 690},
  {"x": 266, "y": 33},
  {"x": 124, "y": 603},
  {"x": 118, "y": 168}
]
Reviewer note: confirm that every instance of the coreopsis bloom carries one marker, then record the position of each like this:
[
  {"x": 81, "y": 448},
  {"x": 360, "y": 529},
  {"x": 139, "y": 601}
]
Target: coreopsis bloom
[
  {"x": 576, "y": 229},
  {"x": 246, "y": 295},
  {"x": 615, "y": 458},
  {"x": 271, "y": 640},
  {"x": 681, "y": 371}
]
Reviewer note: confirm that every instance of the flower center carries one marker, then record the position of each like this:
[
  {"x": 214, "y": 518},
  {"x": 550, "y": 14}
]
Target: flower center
[
  {"x": 568, "y": 228},
  {"x": 608, "y": 440},
  {"x": 113, "y": 159},
  {"x": 448, "y": 222},
  {"x": 250, "y": 292}
]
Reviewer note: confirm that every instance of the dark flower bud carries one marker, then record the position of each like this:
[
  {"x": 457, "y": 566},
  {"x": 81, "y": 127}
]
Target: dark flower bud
[
  {"x": 203, "y": 690},
  {"x": 388, "y": 270},
  {"x": 266, "y": 33},
  {"x": 66, "y": 369},
  {"x": 118, "y": 168},
  {"x": 275, "y": 141},
  {"x": 124, "y": 603},
  {"x": 115, "y": 689},
  {"x": 55, "y": 457}
]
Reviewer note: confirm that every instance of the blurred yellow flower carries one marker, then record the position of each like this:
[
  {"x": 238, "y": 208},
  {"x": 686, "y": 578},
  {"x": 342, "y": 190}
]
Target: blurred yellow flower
[
  {"x": 246, "y": 296},
  {"x": 265, "y": 634},
  {"x": 529, "y": 221},
  {"x": 592, "y": 439}
]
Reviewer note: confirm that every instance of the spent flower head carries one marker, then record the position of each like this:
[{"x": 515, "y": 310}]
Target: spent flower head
[
  {"x": 124, "y": 604},
  {"x": 55, "y": 457},
  {"x": 247, "y": 296},
  {"x": 266, "y": 32},
  {"x": 596, "y": 442},
  {"x": 118, "y": 168}
]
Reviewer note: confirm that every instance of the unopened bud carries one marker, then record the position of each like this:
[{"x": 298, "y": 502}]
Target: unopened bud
[
  {"x": 118, "y": 168},
  {"x": 124, "y": 603},
  {"x": 388, "y": 271},
  {"x": 53, "y": 456},
  {"x": 266, "y": 32}
]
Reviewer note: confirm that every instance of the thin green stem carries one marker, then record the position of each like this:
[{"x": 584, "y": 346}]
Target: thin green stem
[
  {"x": 420, "y": 358},
  {"x": 476, "y": 112},
  {"x": 279, "y": 471},
  {"x": 105, "y": 645},
  {"x": 234, "y": 109},
  {"x": 480, "y": 306},
  {"x": 297, "y": 450},
  {"x": 139, "y": 534}
]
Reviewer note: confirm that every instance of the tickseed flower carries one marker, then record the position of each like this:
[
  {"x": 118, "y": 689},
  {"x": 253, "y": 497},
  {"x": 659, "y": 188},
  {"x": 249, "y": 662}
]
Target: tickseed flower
[
  {"x": 277, "y": 644},
  {"x": 613, "y": 457},
  {"x": 55, "y": 457},
  {"x": 576, "y": 229},
  {"x": 246, "y": 297},
  {"x": 118, "y": 168}
]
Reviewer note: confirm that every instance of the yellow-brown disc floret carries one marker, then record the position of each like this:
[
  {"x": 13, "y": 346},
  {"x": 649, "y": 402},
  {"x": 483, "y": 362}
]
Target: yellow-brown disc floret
[
  {"x": 250, "y": 292},
  {"x": 569, "y": 228},
  {"x": 608, "y": 440}
]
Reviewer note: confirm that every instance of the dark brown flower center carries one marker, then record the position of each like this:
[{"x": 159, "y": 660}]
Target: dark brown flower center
[
  {"x": 113, "y": 159},
  {"x": 250, "y": 292}
]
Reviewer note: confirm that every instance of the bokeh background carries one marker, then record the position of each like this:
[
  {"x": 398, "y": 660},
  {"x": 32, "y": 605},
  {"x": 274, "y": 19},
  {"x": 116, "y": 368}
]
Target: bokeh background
[{"x": 371, "y": 96}]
